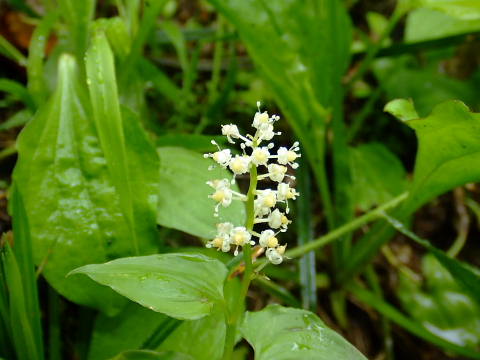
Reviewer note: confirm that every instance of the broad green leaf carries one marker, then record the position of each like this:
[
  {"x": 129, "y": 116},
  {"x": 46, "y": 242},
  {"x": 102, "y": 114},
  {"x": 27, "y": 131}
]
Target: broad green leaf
[
  {"x": 72, "y": 204},
  {"x": 448, "y": 149},
  {"x": 441, "y": 306},
  {"x": 279, "y": 333},
  {"x": 183, "y": 192},
  {"x": 463, "y": 9},
  {"x": 183, "y": 286},
  {"x": 427, "y": 24},
  {"x": 208, "y": 334},
  {"x": 151, "y": 355},
  {"x": 377, "y": 175},
  {"x": 128, "y": 330},
  {"x": 61, "y": 174},
  {"x": 402, "y": 109}
]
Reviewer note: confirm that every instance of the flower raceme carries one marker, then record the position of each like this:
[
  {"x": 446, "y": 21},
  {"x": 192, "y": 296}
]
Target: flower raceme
[{"x": 255, "y": 153}]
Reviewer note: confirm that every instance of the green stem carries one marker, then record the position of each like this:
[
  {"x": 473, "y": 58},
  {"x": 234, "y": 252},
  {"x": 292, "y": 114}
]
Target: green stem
[
  {"x": 348, "y": 227},
  {"x": 236, "y": 314},
  {"x": 377, "y": 213}
]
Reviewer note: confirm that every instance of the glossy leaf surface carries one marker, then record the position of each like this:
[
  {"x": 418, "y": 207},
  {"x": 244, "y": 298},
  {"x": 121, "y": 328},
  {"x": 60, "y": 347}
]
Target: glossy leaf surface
[
  {"x": 73, "y": 206},
  {"x": 441, "y": 305},
  {"x": 279, "y": 333},
  {"x": 179, "y": 285}
]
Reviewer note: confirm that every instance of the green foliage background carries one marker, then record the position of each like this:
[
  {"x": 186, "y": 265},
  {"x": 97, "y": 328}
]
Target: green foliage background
[{"x": 108, "y": 112}]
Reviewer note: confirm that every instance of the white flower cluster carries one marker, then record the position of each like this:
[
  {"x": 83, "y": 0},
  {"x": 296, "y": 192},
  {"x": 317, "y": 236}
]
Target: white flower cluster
[{"x": 228, "y": 235}]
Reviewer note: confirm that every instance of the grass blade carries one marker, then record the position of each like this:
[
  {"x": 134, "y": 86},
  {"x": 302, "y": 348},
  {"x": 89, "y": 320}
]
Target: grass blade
[
  {"x": 23, "y": 252},
  {"x": 10, "y": 51},
  {"x": 22, "y": 332},
  {"x": 18, "y": 90}
]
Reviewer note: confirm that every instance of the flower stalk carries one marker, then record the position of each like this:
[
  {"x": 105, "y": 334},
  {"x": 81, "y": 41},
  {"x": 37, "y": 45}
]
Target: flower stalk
[{"x": 261, "y": 204}]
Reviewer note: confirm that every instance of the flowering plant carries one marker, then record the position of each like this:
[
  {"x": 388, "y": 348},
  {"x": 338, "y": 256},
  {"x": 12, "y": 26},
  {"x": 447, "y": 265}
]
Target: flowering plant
[
  {"x": 260, "y": 203},
  {"x": 206, "y": 293}
]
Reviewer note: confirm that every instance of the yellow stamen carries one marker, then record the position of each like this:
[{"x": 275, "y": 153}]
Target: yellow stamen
[
  {"x": 269, "y": 200},
  {"x": 218, "y": 195},
  {"x": 291, "y": 156},
  {"x": 272, "y": 242},
  {"x": 217, "y": 242}
]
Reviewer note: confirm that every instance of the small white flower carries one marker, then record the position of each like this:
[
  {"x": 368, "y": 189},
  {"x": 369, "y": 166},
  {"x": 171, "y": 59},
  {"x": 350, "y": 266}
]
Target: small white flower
[
  {"x": 224, "y": 228},
  {"x": 260, "y": 119},
  {"x": 260, "y": 209},
  {"x": 267, "y": 239},
  {"x": 276, "y": 172},
  {"x": 267, "y": 198},
  {"x": 230, "y": 131},
  {"x": 285, "y": 192},
  {"x": 240, "y": 236},
  {"x": 221, "y": 157},
  {"x": 223, "y": 195},
  {"x": 260, "y": 156},
  {"x": 277, "y": 219},
  {"x": 220, "y": 242},
  {"x": 288, "y": 156},
  {"x": 265, "y": 132},
  {"x": 275, "y": 255},
  {"x": 240, "y": 164}
]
